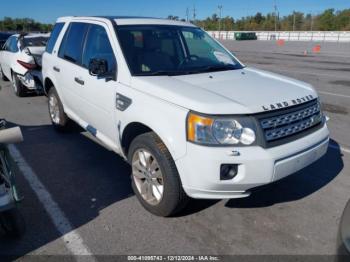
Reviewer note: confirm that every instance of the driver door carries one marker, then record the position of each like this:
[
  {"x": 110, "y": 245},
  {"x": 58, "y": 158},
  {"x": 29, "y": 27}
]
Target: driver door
[{"x": 98, "y": 95}]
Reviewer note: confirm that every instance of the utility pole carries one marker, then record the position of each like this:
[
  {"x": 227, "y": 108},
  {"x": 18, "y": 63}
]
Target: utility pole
[
  {"x": 187, "y": 14},
  {"x": 312, "y": 23},
  {"x": 194, "y": 13},
  {"x": 275, "y": 7},
  {"x": 220, "y": 12},
  {"x": 293, "y": 21}
]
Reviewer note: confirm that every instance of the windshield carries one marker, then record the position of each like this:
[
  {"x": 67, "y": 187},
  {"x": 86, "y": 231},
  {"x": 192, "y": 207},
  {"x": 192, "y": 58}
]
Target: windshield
[
  {"x": 34, "y": 41},
  {"x": 172, "y": 50}
]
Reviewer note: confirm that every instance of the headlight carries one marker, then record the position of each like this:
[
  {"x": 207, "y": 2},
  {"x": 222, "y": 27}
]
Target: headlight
[{"x": 220, "y": 130}]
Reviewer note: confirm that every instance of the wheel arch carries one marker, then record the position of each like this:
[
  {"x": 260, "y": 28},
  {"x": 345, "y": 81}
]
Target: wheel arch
[
  {"x": 172, "y": 140},
  {"x": 48, "y": 83},
  {"x": 130, "y": 132}
]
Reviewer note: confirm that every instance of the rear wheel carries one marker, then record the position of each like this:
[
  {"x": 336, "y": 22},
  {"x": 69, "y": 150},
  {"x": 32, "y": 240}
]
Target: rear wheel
[
  {"x": 12, "y": 223},
  {"x": 155, "y": 179},
  {"x": 58, "y": 117},
  {"x": 18, "y": 87}
]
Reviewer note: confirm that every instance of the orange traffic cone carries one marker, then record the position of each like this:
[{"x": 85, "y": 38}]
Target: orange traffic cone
[{"x": 316, "y": 49}]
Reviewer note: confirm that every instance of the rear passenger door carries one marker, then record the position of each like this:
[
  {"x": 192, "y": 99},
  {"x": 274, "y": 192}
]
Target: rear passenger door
[{"x": 68, "y": 67}]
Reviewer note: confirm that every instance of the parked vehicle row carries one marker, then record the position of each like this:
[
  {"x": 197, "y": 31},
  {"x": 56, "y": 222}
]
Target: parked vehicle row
[{"x": 20, "y": 62}]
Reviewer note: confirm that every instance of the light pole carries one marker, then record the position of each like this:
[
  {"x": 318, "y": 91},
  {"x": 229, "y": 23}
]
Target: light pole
[
  {"x": 293, "y": 21},
  {"x": 220, "y": 12},
  {"x": 194, "y": 13},
  {"x": 275, "y": 7}
]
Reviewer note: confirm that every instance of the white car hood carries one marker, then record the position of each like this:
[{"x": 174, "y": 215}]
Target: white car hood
[{"x": 244, "y": 91}]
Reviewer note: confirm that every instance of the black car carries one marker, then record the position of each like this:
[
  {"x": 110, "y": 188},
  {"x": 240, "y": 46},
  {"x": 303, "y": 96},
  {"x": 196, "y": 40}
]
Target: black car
[{"x": 3, "y": 38}]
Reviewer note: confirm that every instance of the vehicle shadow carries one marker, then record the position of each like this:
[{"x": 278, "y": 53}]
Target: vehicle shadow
[
  {"x": 297, "y": 186},
  {"x": 196, "y": 205},
  {"x": 82, "y": 177}
]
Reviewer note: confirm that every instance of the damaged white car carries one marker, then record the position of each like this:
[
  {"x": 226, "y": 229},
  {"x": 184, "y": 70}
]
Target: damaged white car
[{"x": 20, "y": 62}]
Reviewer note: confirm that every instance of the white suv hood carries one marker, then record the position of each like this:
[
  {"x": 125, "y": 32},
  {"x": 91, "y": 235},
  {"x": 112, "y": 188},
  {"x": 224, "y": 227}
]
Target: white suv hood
[{"x": 243, "y": 91}]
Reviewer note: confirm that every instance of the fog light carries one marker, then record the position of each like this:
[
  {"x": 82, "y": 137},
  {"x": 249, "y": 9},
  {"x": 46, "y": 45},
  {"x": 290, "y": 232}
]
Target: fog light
[{"x": 228, "y": 171}]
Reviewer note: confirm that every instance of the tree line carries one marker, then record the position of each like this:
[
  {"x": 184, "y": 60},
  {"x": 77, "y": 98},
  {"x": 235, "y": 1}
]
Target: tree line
[
  {"x": 329, "y": 20},
  {"x": 23, "y": 25}
]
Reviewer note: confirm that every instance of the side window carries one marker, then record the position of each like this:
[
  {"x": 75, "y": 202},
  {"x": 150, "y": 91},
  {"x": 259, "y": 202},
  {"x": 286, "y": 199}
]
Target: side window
[
  {"x": 7, "y": 45},
  {"x": 72, "y": 43},
  {"x": 98, "y": 46},
  {"x": 53, "y": 38}
]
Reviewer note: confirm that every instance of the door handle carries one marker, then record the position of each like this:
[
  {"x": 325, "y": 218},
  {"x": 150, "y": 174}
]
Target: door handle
[
  {"x": 56, "y": 69},
  {"x": 79, "y": 81}
]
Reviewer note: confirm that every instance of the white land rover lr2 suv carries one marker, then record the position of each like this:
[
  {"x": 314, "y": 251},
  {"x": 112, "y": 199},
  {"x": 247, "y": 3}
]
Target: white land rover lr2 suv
[{"x": 190, "y": 118}]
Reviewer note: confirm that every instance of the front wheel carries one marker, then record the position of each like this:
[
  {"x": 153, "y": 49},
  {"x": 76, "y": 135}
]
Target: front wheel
[
  {"x": 155, "y": 179},
  {"x": 18, "y": 87},
  {"x": 12, "y": 223}
]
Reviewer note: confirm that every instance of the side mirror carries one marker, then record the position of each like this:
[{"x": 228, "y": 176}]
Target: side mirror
[{"x": 98, "y": 67}]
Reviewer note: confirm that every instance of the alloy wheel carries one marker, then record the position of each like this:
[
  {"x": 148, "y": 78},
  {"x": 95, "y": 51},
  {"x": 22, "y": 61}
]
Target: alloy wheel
[
  {"x": 54, "y": 109},
  {"x": 14, "y": 83},
  {"x": 147, "y": 176}
]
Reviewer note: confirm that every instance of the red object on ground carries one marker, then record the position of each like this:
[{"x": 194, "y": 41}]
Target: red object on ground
[
  {"x": 316, "y": 49},
  {"x": 280, "y": 42}
]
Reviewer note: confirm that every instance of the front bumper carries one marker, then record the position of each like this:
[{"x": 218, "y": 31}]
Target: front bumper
[{"x": 200, "y": 167}]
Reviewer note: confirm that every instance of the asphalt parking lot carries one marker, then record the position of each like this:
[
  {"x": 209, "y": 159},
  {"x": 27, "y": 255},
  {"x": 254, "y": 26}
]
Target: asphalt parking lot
[{"x": 91, "y": 185}]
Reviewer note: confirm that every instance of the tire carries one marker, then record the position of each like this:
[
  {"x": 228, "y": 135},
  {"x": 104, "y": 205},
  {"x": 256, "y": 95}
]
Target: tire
[
  {"x": 165, "y": 197},
  {"x": 18, "y": 87},
  {"x": 2, "y": 76},
  {"x": 59, "y": 119},
  {"x": 12, "y": 223}
]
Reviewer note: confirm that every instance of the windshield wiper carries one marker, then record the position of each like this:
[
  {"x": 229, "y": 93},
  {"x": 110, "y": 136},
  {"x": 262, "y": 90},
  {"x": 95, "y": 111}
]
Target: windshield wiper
[
  {"x": 160, "y": 73},
  {"x": 217, "y": 68},
  {"x": 203, "y": 69}
]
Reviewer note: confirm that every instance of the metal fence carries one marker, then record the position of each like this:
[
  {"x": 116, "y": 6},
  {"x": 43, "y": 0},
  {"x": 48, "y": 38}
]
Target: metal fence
[{"x": 317, "y": 36}]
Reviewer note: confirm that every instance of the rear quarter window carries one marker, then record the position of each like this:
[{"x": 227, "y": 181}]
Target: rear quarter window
[{"x": 53, "y": 38}]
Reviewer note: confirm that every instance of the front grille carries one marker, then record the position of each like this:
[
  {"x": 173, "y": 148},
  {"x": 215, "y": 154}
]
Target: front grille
[{"x": 286, "y": 124}]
